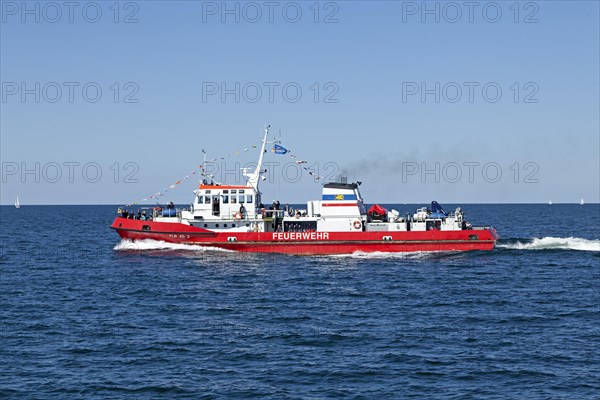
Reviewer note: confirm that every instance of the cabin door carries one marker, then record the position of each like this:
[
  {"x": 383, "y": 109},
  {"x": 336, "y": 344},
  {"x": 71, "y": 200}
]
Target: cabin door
[{"x": 216, "y": 205}]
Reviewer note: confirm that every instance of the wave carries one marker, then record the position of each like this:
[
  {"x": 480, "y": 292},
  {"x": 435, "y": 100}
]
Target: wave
[
  {"x": 149, "y": 244},
  {"x": 552, "y": 243},
  {"x": 383, "y": 254}
]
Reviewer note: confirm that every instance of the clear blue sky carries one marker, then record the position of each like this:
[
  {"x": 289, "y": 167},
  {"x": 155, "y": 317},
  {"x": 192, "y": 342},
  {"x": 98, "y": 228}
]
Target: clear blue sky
[{"x": 376, "y": 57}]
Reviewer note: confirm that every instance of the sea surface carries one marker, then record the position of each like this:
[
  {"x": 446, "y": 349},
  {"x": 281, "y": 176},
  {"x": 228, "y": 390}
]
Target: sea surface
[{"x": 84, "y": 315}]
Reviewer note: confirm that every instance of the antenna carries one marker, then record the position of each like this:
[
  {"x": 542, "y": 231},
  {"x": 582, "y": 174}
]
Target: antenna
[{"x": 203, "y": 172}]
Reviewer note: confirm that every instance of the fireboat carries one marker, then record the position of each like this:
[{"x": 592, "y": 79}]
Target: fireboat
[{"x": 232, "y": 217}]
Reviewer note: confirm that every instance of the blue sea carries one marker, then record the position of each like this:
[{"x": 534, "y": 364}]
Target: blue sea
[{"x": 84, "y": 315}]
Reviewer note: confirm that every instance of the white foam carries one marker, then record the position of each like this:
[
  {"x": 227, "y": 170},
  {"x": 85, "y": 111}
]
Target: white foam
[
  {"x": 149, "y": 244},
  {"x": 554, "y": 243},
  {"x": 382, "y": 254},
  {"x": 546, "y": 243}
]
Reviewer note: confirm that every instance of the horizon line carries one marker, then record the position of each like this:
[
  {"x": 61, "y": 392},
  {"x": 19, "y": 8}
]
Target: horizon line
[{"x": 290, "y": 202}]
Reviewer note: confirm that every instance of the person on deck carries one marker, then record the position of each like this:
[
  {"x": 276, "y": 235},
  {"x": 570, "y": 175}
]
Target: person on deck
[{"x": 242, "y": 211}]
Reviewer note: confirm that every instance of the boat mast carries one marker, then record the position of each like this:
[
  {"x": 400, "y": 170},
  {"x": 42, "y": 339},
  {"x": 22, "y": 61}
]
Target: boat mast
[{"x": 254, "y": 178}]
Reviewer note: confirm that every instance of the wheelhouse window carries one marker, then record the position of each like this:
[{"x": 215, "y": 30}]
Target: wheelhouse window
[
  {"x": 233, "y": 199},
  {"x": 226, "y": 199},
  {"x": 200, "y": 199},
  {"x": 206, "y": 199},
  {"x": 249, "y": 198},
  {"x": 241, "y": 198},
  {"x": 233, "y": 191},
  {"x": 241, "y": 191}
]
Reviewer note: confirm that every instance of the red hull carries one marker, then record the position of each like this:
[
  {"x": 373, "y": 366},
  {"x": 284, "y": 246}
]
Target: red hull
[{"x": 309, "y": 243}]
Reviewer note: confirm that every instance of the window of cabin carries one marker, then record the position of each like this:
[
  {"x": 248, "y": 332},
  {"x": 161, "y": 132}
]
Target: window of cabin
[
  {"x": 249, "y": 198},
  {"x": 207, "y": 192},
  {"x": 241, "y": 191},
  {"x": 233, "y": 199},
  {"x": 233, "y": 191},
  {"x": 225, "y": 191},
  {"x": 226, "y": 199},
  {"x": 241, "y": 198},
  {"x": 206, "y": 199},
  {"x": 200, "y": 199}
]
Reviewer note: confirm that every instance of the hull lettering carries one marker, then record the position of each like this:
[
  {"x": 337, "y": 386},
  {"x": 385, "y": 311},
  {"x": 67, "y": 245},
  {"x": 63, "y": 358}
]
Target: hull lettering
[{"x": 300, "y": 235}]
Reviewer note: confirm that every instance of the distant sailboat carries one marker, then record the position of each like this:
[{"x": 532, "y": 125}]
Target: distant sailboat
[
  {"x": 17, "y": 204},
  {"x": 550, "y": 202},
  {"x": 581, "y": 202}
]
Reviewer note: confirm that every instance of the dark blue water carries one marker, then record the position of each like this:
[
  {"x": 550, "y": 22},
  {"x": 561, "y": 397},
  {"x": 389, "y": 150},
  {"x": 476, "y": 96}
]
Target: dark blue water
[{"x": 79, "y": 319}]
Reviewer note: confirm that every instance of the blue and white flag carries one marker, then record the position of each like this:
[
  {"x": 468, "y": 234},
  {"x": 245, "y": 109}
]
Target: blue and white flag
[{"x": 278, "y": 149}]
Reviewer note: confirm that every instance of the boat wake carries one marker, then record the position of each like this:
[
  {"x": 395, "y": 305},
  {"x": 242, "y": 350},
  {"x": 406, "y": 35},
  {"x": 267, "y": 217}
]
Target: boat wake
[
  {"x": 546, "y": 243},
  {"x": 149, "y": 244},
  {"x": 401, "y": 255},
  {"x": 551, "y": 243}
]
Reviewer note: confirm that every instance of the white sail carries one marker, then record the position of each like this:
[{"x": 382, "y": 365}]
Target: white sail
[
  {"x": 550, "y": 202},
  {"x": 17, "y": 205},
  {"x": 581, "y": 202}
]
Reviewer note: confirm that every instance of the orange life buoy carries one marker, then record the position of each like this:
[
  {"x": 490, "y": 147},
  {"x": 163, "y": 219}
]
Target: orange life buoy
[
  {"x": 357, "y": 225},
  {"x": 237, "y": 216}
]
